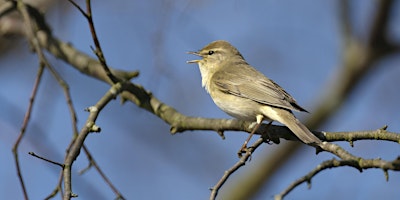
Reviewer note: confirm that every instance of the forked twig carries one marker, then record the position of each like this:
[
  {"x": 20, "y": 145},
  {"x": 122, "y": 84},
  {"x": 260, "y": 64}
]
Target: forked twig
[{"x": 242, "y": 161}]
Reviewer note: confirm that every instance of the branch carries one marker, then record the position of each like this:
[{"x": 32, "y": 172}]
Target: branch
[
  {"x": 98, "y": 51},
  {"x": 89, "y": 127},
  {"x": 347, "y": 158},
  {"x": 365, "y": 164},
  {"x": 93, "y": 163},
  {"x": 24, "y": 127},
  {"x": 242, "y": 161}
]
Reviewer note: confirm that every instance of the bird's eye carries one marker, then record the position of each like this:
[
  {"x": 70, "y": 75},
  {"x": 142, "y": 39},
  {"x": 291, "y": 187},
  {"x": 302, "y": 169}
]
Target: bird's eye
[{"x": 211, "y": 52}]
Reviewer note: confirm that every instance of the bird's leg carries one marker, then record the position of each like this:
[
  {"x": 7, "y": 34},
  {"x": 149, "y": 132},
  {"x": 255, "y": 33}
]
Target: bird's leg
[{"x": 244, "y": 148}]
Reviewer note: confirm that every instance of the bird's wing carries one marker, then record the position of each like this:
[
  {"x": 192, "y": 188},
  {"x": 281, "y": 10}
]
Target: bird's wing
[{"x": 255, "y": 86}]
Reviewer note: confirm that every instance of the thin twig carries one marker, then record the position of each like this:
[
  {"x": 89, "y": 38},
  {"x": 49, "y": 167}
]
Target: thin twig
[
  {"x": 45, "y": 159},
  {"x": 366, "y": 164},
  {"x": 93, "y": 163},
  {"x": 242, "y": 161},
  {"x": 25, "y": 11},
  {"x": 24, "y": 127},
  {"x": 78, "y": 142},
  {"x": 98, "y": 51}
]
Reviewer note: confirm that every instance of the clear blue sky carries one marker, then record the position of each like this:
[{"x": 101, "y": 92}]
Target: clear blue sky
[{"x": 297, "y": 44}]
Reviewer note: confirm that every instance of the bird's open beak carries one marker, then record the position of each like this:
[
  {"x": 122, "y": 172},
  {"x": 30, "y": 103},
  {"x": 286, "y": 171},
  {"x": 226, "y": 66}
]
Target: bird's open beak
[{"x": 193, "y": 53}]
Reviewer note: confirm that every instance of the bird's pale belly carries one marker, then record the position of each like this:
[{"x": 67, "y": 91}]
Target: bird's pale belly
[{"x": 238, "y": 107}]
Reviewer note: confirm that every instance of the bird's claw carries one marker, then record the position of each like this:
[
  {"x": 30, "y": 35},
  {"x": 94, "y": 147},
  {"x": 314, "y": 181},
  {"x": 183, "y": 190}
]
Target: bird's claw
[{"x": 244, "y": 150}]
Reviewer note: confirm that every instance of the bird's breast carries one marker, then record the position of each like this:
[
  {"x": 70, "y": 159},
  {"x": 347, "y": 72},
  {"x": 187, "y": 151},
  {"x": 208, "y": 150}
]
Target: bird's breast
[
  {"x": 238, "y": 107},
  {"x": 205, "y": 76}
]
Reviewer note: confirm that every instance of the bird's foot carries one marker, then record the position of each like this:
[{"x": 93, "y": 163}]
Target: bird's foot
[{"x": 244, "y": 150}]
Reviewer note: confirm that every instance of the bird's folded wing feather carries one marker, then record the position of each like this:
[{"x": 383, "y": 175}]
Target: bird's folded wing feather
[{"x": 255, "y": 86}]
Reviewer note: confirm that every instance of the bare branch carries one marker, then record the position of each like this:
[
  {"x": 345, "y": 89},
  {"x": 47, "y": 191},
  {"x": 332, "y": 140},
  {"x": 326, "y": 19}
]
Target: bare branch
[
  {"x": 242, "y": 161},
  {"x": 77, "y": 142},
  {"x": 93, "y": 163},
  {"x": 98, "y": 51},
  {"x": 24, "y": 126},
  {"x": 362, "y": 164}
]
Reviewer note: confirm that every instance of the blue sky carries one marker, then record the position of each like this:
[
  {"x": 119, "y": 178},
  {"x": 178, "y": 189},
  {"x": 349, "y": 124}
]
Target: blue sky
[{"x": 297, "y": 44}]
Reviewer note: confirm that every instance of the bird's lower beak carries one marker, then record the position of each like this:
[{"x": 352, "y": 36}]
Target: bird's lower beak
[
  {"x": 193, "y": 53},
  {"x": 192, "y": 61}
]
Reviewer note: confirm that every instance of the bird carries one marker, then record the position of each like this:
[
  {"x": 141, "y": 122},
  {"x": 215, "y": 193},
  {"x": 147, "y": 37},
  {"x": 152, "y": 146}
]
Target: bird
[{"x": 244, "y": 93}]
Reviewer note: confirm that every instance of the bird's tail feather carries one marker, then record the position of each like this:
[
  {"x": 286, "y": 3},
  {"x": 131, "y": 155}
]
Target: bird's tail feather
[{"x": 299, "y": 129}]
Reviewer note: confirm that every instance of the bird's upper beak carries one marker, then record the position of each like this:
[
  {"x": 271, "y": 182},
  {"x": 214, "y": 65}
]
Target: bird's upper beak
[{"x": 193, "y": 53}]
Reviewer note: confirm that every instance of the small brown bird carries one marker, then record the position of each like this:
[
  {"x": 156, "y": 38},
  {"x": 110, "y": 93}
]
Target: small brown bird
[{"x": 245, "y": 93}]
